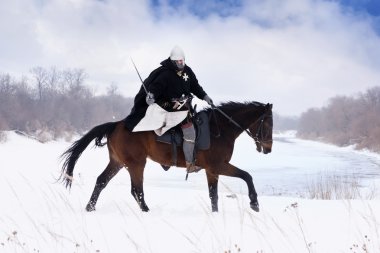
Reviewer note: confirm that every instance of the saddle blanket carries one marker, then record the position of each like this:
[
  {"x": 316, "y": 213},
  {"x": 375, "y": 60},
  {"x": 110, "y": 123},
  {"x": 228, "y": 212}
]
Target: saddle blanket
[
  {"x": 202, "y": 141},
  {"x": 159, "y": 120}
]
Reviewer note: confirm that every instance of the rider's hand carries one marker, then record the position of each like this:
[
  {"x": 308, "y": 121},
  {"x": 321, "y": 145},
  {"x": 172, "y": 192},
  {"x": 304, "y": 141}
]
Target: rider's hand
[
  {"x": 208, "y": 100},
  {"x": 149, "y": 98}
]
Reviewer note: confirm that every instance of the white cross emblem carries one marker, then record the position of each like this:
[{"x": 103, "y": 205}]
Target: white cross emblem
[{"x": 185, "y": 77}]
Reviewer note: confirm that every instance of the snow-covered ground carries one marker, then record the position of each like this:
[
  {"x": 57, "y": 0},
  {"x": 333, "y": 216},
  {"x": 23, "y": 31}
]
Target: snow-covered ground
[{"x": 39, "y": 215}]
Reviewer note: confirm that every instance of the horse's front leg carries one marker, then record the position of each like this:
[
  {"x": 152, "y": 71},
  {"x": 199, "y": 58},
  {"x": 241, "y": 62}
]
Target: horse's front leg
[
  {"x": 137, "y": 190},
  {"x": 232, "y": 171},
  {"x": 212, "y": 181}
]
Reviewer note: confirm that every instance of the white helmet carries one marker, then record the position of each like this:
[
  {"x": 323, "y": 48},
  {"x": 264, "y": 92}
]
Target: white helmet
[{"x": 177, "y": 54}]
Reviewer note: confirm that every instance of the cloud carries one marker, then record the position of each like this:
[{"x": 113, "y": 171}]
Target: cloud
[{"x": 295, "y": 54}]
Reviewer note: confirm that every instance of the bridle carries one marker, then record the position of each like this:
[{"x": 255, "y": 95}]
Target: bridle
[{"x": 259, "y": 133}]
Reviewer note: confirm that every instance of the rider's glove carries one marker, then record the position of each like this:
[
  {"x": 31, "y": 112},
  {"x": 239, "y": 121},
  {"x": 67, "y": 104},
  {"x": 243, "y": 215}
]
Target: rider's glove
[
  {"x": 208, "y": 100},
  {"x": 149, "y": 98}
]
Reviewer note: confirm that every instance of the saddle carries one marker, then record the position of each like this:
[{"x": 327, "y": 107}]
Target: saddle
[{"x": 175, "y": 137}]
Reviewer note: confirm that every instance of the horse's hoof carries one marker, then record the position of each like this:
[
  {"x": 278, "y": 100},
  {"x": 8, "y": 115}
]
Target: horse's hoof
[
  {"x": 255, "y": 207},
  {"x": 145, "y": 209},
  {"x": 90, "y": 208}
]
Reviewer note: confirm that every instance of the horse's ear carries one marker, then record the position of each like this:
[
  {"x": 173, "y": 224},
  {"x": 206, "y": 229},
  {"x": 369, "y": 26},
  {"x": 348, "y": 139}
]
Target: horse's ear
[{"x": 269, "y": 106}]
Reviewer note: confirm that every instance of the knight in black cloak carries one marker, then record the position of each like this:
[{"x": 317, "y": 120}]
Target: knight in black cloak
[{"x": 170, "y": 82}]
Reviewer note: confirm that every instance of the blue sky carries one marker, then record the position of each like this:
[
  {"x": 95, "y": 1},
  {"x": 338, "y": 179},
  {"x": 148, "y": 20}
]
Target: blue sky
[
  {"x": 202, "y": 9},
  {"x": 364, "y": 7},
  {"x": 225, "y": 8},
  {"x": 295, "y": 54},
  {"x": 372, "y": 7}
]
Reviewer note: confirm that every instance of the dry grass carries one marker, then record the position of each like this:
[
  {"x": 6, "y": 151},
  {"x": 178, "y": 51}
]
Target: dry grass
[
  {"x": 3, "y": 137},
  {"x": 337, "y": 187}
]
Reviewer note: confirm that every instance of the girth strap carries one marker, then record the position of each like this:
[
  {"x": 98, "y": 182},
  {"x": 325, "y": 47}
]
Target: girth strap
[{"x": 174, "y": 147}]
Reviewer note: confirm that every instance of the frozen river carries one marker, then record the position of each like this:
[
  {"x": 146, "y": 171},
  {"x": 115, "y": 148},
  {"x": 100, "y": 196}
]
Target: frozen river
[{"x": 294, "y": 164}]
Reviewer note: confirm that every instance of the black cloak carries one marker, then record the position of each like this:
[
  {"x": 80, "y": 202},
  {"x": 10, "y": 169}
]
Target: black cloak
[{"x": 165, "y": 84}]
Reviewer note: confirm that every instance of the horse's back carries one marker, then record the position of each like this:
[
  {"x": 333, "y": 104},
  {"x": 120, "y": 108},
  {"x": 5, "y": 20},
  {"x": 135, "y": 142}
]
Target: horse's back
[{"x": 129, "y": 145}]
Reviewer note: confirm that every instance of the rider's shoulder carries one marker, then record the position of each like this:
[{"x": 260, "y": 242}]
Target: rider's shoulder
[
  {"x": 158, "y": 72},
  {"x": 189, "y": 71}
]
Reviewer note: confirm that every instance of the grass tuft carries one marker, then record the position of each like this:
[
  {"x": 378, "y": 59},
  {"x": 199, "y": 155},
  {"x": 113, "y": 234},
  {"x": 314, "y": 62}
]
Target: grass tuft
[{"x": 335, "y": 187}]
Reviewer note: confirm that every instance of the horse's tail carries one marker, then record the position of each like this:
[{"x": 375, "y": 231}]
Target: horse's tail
[{"x": 72, "y": 154}]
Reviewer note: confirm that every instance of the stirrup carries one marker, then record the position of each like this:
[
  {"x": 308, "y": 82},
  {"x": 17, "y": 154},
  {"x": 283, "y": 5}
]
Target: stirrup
[{"x": 191, "y": 167}]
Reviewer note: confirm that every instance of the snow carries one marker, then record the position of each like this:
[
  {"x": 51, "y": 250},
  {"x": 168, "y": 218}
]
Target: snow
[{"x": 38, "y": 214}]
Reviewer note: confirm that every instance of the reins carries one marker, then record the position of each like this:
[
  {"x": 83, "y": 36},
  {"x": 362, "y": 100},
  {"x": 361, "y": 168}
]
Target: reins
[{"x": 259, "y": 131}]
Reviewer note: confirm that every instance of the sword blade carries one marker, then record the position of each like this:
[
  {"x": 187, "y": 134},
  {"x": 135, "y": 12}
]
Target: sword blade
[{"x": 142, "y": 82}]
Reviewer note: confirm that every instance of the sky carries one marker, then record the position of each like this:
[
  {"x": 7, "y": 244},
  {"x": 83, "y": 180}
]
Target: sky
[{"x": 295, "y": 54}]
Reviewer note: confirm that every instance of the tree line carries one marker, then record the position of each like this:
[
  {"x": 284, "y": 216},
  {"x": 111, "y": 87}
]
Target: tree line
[
  {"x": 284, "y": 123},
  {"x": 53, "y": 103},
  {"x": 345, "y": 121}
]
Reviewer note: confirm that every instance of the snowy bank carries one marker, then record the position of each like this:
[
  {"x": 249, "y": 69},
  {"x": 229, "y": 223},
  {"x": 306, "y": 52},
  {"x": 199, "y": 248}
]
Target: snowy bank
[{"x": 40, "y": 215}]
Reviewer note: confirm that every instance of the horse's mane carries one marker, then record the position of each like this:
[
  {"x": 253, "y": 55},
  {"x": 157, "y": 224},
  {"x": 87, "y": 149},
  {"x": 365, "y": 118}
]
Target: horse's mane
[{"x": 231, "y": 105}]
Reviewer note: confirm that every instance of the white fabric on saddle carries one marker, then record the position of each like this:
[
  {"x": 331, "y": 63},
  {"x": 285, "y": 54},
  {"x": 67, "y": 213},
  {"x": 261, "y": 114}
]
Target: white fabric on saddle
[{"x": 159, "y": 120}]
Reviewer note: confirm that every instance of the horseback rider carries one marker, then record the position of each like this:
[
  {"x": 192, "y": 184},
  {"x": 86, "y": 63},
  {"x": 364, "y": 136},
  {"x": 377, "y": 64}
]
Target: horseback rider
[{"x": 172, "y": 82}]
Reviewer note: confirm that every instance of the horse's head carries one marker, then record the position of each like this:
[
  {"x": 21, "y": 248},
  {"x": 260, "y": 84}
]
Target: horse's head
[{"x": 262, "y": 130}]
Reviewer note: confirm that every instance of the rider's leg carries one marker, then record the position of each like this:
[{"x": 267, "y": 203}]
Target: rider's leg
[{"x": 188, "y": 131}]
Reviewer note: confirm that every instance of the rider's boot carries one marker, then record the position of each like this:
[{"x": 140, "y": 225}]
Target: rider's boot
[
  {"x": 188, "y": 147},
  {"x": 191, "y": 167}
]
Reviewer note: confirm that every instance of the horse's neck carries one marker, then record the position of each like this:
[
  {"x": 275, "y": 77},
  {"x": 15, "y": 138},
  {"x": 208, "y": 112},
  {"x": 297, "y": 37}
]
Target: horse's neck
[{"x": 244, "y": 116}]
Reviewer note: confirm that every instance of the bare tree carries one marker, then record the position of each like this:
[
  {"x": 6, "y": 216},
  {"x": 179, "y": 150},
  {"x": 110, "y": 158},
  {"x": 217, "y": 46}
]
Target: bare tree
[
  {"x": 74, "y": 79},
  {"x": 112, "y": 89},
  {"x": 345, "y": 121},
  {"x": 311, "y": 124},
  {"x": 40, "y": 77},
  {"x": 53, "y": 79}
]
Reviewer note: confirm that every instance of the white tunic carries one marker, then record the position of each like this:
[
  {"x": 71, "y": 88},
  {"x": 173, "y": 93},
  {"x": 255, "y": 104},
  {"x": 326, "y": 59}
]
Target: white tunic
[{"x": 159, "y": 120}]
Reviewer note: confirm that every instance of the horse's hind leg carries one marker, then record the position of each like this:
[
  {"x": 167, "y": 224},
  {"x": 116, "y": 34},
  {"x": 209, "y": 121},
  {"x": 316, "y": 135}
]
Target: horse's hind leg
[
  {"x": 111, "y": 170},
  {"x": 212, "y": 181},
  {"x": 137, "y": 179}
]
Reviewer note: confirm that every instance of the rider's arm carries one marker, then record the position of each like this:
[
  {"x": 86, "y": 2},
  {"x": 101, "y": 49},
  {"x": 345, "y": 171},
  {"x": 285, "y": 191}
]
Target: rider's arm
[{"x": 195, "y": 87}]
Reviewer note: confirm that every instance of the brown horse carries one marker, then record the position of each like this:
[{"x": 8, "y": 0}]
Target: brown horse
[{"x": 131, "y": 150}]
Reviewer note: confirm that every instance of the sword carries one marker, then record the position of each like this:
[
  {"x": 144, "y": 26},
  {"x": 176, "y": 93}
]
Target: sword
[{"x": 142, "y": 82}]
